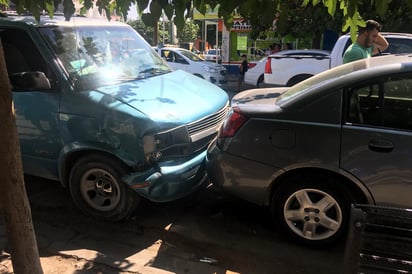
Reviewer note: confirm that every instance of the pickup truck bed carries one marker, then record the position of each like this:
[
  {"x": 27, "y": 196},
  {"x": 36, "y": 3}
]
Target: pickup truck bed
[
  {"x": 282, "y": 70},
  {"x": 293, "y": 66}
]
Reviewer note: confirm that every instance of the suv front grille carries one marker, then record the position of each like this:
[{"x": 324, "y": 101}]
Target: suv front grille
[{"x": 207, "y": 126}]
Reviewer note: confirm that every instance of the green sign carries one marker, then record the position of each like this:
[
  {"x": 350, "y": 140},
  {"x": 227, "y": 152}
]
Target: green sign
[{"x": 241, "y": 41}]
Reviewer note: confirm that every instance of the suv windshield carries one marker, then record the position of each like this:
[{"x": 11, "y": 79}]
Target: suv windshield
[
  {"x": 191, "y": 56},
  {"x": 96, "y": 55}
]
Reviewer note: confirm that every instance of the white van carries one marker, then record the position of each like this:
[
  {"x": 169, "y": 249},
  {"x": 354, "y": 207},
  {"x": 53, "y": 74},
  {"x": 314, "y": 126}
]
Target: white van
[{"x": 186, "y": 60}]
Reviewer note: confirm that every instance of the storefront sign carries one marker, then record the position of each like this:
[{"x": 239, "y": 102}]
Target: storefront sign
[{"x": 240, "y": 25}]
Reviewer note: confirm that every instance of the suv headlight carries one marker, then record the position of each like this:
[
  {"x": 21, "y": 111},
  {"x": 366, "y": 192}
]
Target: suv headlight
[
  {"x": 150, "y": 149},
  {"x": 170, "y": 143}
]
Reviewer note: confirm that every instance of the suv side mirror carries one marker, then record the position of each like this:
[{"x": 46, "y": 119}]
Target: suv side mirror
[{"x": 32, "y": 80}]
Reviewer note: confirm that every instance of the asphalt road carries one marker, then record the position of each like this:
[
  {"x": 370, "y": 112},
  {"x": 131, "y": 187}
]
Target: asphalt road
[{"x": 207, "y": 232}]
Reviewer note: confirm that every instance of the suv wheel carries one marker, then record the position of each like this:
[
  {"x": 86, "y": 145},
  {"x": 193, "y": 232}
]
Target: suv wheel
[{"x": 96, "y": 189}]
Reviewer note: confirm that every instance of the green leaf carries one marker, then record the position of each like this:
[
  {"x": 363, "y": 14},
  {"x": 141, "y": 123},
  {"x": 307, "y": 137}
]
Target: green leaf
[
  {"x": 163, "y": 3},
  {"x": 142, "y": 5},
  {"x": 35, "y": 10},
  {"x": 346, "y": 24},
  {"x": 148, "y": 19},
  {"x": 68, "y": 9},
  {"x": 352, "y": 6},
  {"x": 50, "y": 7},
  {"x": 343, "y": 7},
  {"x": 168, "y": 9},
  {"x": 108, "y": 14},
  {"x": 315, "y": 2},
  {"x": 122, "y": 7},
  {"x": 331, "y": 5},
  {"x": 155, "y": 10},
  {"x": 353, "y": 23},
  {"x": 88, "y": 4},
  {"x": 179, "y": 21}
]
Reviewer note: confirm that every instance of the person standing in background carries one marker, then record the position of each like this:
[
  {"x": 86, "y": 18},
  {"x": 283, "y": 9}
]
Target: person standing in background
[
  {"x": 287, "y": 46},
  {"x": 368, "y": 43},
  {"x": 243, "y": 68},
  {"x": 276, "y": 48}
]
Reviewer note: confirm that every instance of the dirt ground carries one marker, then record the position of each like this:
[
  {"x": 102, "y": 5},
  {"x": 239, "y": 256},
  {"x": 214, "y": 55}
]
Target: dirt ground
[
  {"x": 207, "y": 233},
  {"x": 61, "y": 265}
]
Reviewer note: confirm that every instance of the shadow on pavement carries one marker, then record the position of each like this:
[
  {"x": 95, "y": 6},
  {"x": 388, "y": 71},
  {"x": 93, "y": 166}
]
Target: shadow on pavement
[{"x": 207, "y": 232}]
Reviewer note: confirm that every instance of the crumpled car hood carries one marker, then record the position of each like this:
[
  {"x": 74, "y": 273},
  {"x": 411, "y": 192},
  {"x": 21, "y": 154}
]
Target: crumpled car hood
[{"x": 176, "y": 97}]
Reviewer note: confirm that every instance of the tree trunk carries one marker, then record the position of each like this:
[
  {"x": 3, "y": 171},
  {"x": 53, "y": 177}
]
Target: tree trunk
[{"x": 15, "y": 204}]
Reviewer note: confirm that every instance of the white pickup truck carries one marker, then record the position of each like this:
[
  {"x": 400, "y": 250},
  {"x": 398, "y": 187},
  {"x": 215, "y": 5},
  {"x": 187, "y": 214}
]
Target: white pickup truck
[{"x": 287, "y": 70}]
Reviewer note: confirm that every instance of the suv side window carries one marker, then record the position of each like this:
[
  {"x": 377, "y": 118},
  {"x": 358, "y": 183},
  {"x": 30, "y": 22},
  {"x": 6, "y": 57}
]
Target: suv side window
[
  {"x": 386, "y": 103},
  {"x": 23, "y": 57}
]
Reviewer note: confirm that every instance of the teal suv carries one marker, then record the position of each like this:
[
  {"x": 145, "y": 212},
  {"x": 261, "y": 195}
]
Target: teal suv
[{"x": 98, "y": 109}]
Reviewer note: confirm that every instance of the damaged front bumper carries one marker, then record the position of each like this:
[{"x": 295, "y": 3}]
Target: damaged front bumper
[{"x": 169, "y": 182}]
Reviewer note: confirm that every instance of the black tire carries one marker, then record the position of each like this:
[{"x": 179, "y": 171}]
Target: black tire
[
  {"x": 298, "y": 209},
  {"x": 297, "y": 79},
  {"x": 260, "y": 81},
  {"x": 96, "y": 188}
]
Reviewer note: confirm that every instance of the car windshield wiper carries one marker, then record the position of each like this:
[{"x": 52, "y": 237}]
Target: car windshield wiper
[{"x": 152, "y": 71}]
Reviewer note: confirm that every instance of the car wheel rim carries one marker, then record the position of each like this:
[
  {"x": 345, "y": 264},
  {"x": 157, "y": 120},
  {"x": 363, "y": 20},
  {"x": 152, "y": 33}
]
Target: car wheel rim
[
  {"x": 100, "y": 189},
  {"x": 312, "y": 214}
]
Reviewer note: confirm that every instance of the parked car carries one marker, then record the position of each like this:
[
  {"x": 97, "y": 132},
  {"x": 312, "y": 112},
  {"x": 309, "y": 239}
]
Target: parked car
[
  {"x": 186, "y": 60},
  {"x": 255, "y": 76},
  {"x": 213, "y": 55},
  {"x": 98, "y": 110},
  {"x": 308, "y": 152}
]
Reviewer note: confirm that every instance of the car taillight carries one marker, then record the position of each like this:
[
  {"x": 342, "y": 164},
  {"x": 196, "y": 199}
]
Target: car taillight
[
  {"x": 268, "y": 66},
  {"x": 251, "y": 65},
  {"x": 232, "y": 124}
]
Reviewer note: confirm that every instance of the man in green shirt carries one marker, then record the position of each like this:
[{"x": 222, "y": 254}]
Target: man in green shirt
[{"x": 368, "y": 43}]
